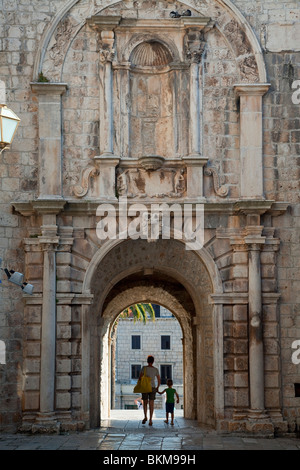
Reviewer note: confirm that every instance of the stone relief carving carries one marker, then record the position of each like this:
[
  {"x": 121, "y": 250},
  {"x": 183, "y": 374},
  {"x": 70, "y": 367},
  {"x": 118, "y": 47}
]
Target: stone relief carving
[
  {"x": 151, "y": 226},
  {"x": 179, "y": 182},
  {"x": 64, "y": 33},
  {"x": 106, "y": 55},
  {"x": 194, "y": 46},
  {"x": 237, "y": 38},
  {"x": 140, "y": 183},
  {"x": 81, "y": 189},
  {"x": 248, "y": 68},
  {"x": 220, "y": 190}
]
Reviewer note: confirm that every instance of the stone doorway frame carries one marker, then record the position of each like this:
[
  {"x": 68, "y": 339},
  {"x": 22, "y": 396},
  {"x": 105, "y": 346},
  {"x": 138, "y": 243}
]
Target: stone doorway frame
[{"x": 95, "y": 353}]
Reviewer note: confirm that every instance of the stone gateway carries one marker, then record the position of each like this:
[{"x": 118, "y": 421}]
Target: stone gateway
[{"x": 144, "y": 102}]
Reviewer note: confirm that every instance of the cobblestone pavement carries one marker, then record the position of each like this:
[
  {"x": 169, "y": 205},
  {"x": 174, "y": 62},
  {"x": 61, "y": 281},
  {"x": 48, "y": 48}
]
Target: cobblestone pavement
[{"x": 125, "y": 432}]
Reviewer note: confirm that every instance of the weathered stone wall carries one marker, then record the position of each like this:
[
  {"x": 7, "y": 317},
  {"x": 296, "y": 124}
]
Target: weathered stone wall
[{"x": 282, "y": 173}]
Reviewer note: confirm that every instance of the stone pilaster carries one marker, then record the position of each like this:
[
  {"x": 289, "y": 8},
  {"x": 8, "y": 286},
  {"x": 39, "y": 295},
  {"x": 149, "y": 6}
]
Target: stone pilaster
[
  {"x": 106, "y": 163},
  {"x": 50, "y": 156},
  {"x": 48, "y": 241},
  {"x": 195, "y": 161},
  {"x": 106, "y": 93},
  {"x": 256, "y": 355},
  {"x": 251, "y": 139},
  {"x": 194, "y": 172},
  {"x": 257, "y": 417}
]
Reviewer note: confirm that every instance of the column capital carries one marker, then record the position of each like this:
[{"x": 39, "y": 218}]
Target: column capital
[
  {"x": 255, "y": 89},
  {"x": 49, "y": 244},
  {"x": 253, "y": 236},
  {"x": 254, "y": 245},
  {"x": 195, "y": 160},
  {"x": 106, "y": 55},
  {"x": 48, "y": 88},
  {"x": 103, "y": 23}
]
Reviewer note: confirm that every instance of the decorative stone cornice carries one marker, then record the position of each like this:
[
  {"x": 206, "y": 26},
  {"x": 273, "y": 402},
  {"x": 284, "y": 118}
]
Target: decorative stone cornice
[
  {"x": 48, "y": 88},
  {"x": 62, "y": 299},
  {"x": 40, "y": 206},
  {"x": 100, "y": 23},
  {"x": 253, "y": 206},
  {"x": 103, "y": 23},
  {"x": 89, "y": 207},
  {"x": 257, "y": 89},
  {"x": 230, "y": 298}
]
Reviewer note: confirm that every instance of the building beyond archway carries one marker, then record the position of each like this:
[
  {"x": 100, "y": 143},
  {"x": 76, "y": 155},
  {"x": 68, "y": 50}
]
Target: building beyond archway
[{"x": 132, "y": 340}]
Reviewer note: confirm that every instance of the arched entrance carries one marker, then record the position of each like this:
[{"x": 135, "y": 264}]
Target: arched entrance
[
  {"x": 132, "y": 340},
  {"x": 159, "y": 290},
  {"x": 164, "y": 272}
]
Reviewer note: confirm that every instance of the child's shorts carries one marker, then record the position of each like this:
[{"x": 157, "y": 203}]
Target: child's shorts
[{"x": 169, "y": 407}]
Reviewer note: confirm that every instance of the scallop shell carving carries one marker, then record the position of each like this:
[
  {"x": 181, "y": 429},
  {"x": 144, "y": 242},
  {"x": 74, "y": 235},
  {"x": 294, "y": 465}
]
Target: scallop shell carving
[{"x": 150, "y": 53}]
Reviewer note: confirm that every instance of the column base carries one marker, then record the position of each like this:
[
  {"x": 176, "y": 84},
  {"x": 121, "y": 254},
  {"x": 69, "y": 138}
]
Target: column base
[
  {"x": 46, "y": 423},
  {"x": 257, "y": 414},
  {"x": 259, "y": 423}
]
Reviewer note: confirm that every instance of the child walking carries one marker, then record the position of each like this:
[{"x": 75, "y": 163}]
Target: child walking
[{"x": 170, "y": 402}]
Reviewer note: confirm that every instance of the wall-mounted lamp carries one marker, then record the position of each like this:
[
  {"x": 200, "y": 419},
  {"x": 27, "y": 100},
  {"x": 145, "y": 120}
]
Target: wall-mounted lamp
[
  {"x": 17, "y": 279},
  {"x": 27, "y": 288},
  {"x": 9, "y": 122},
  {"x": 14, "y": 277}
]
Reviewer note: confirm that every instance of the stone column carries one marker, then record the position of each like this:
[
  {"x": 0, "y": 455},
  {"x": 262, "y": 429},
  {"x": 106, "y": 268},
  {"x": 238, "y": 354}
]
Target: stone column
[
  {"x": 254, "y": 241},
  {"x": 195, "y": 161},
  {"x": 49, "y": 241},
  {"x": 256, "y": 356},
  {"x": 251, "y": 139},
  {"x": 123, "y": 102},
  {"x": 106, "y": 93},
  {"x": 195, "y": 93},
  {"x": 107, "y": 161},
  {"x": 50, "y": 157}
]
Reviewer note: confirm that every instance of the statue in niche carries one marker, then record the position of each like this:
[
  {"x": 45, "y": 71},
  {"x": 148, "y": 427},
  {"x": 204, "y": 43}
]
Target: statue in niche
[
  {"x": 122, "y": 183},
  {"x": 179, "y": 183}
]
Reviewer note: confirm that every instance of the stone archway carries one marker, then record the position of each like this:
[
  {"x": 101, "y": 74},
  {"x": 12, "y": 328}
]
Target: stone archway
[
  {"x": 72, "y": 16},
  {"x": 161, "y": 292},
  {"x": 166, "y": 273}
]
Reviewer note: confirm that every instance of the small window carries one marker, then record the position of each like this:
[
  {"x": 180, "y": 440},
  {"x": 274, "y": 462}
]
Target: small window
[
  {"x": 135, "y": 371},
  {"x": 297, "y": 390},
  {"x": 156, "y": 309},
  {"x": 135, "y": 342},
  {"x": 166, "y": 342},
  {"x": 165, "y": 373}
]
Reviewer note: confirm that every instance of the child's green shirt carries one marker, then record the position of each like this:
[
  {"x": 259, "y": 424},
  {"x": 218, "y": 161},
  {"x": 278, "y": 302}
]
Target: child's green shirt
[{"x": 170, "y": 395}]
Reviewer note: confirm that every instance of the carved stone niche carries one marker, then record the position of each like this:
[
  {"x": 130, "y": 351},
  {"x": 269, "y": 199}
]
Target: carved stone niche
[{"x": 149, "y": 107}]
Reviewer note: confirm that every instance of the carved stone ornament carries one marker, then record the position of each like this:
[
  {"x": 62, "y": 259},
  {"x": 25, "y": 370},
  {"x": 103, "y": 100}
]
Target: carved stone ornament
[
  {"x": 220, "y": 190},
  {"x": 194, "y": 45},
  {"x": 81, "y": 189},
  {"x": 151, "y": 162},
  {"x": 248, "y": 68},
  {"x": 158, "y": 183},
  {"x": 106, "y": 55}
]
